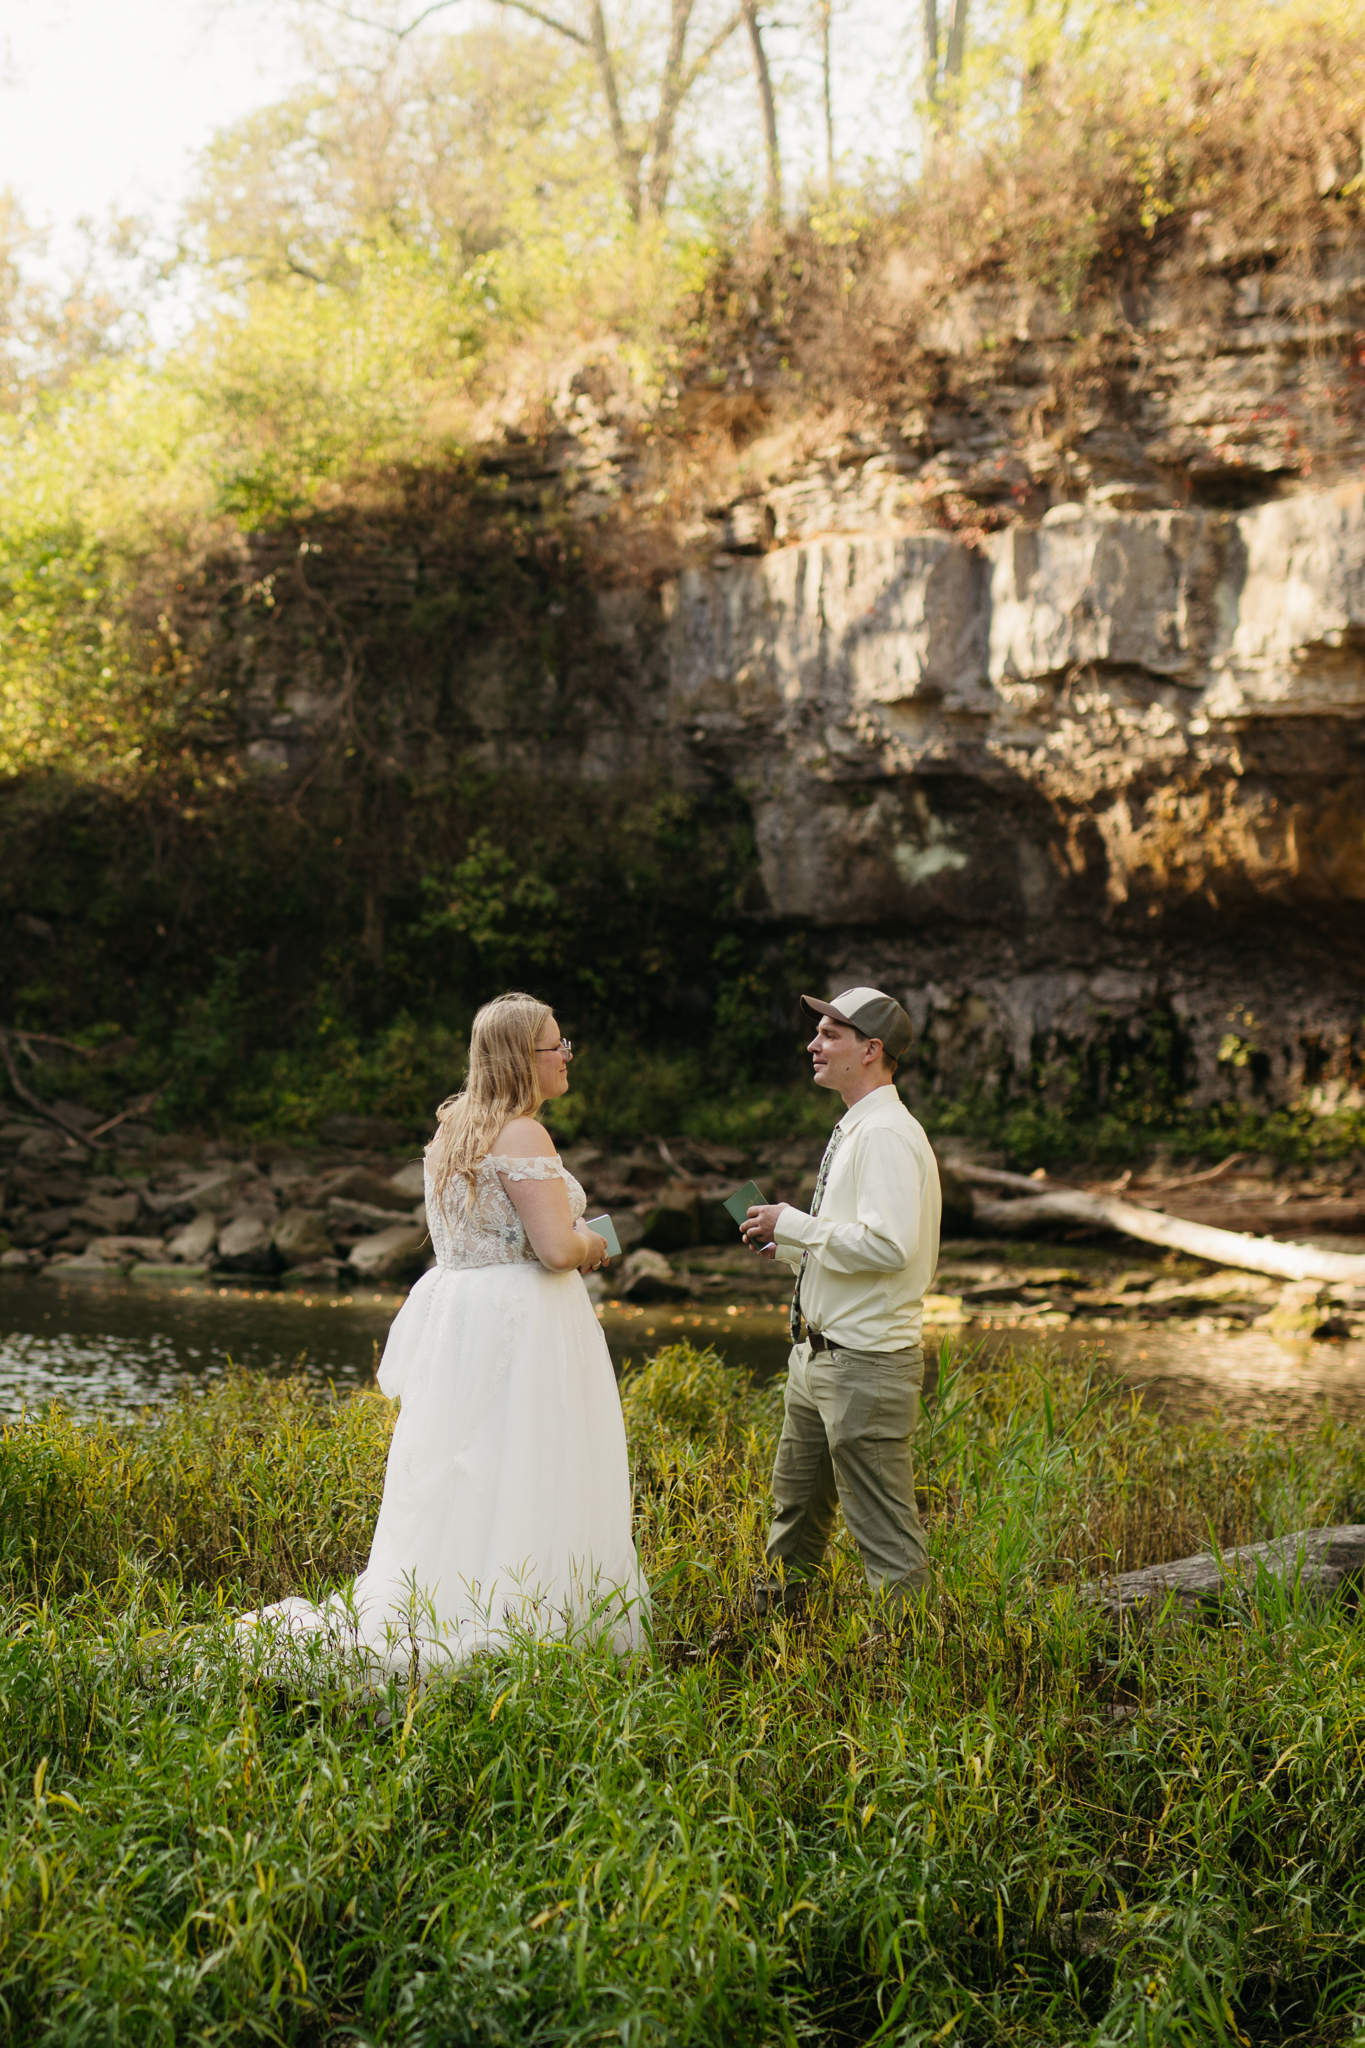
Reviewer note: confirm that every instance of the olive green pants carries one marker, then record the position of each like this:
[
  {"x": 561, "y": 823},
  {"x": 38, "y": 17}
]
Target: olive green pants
[{"x": 846, "y": 1443}]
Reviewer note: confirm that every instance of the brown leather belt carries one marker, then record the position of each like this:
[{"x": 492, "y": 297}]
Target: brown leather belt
[{"x": 817, "y": 1340}]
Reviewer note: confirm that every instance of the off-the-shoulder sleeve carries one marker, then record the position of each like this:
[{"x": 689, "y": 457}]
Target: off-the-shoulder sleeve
[{"x": 526, "y": 1169}]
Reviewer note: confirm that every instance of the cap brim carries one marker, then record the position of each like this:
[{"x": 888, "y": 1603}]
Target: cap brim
[{"x": 815, "y": 1008}]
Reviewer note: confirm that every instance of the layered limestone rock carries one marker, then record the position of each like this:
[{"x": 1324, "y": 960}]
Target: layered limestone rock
[{"x": 1063, "y": 776}]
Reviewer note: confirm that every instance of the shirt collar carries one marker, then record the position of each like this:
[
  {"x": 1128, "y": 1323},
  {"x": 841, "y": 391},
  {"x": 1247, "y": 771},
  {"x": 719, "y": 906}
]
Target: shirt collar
[{"x": 865, "y": 1107}]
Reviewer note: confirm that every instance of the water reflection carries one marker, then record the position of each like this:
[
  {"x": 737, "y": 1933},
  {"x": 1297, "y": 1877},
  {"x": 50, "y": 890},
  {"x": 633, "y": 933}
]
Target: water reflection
[
  {"x": 111, "y": 1348},
  {"x": 1248, "y": 1376},
  {"x": 108, "y": 1349}
]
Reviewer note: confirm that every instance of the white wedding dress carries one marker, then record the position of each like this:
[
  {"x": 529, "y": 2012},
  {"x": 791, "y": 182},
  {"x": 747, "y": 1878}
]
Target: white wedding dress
[{"x": 506, "y": 1502}]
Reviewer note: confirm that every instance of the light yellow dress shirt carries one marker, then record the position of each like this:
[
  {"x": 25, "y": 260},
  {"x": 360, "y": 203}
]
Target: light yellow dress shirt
[{"x": 874, "y": 1245}]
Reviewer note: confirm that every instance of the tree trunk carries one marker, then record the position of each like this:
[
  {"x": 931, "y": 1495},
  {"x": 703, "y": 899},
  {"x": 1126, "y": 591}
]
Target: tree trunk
[
  {"x": 827, "y": 81},
  {"x": 957, "y": 40},
  {"x": 672, "y": 89},
  {"x": 951, "y": 108},
  {"x": 1150, "y": 1226},
  {"x": 766, "y": 101},
  {"x": 627, "y": 159},
  {"x": 930, "y": 34}
]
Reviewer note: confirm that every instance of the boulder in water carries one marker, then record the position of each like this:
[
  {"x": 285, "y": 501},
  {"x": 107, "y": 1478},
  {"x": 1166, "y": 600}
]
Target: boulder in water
[
  {"x": 301, "y": 1236},
  {"x": 196, "y": 1240},
  {"x": 244, "y": 1245},
  {"x": 647, "y": 1276},
  {"x": 399, "y": 1253}
]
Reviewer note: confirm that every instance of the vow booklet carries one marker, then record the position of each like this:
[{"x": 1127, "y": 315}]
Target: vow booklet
[
  {"x": 750, "y": 1196},
  {"x": 604, "y": 1228}
]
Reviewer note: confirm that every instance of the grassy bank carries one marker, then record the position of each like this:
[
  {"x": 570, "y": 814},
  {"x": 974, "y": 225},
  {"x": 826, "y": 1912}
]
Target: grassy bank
[{"x": 1025, "y": 1831}]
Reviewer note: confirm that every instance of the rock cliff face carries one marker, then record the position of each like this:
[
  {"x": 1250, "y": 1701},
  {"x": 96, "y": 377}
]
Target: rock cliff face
[
  {"x": 1063, "y": 776},
  {"x": 1043, "y": 680}
]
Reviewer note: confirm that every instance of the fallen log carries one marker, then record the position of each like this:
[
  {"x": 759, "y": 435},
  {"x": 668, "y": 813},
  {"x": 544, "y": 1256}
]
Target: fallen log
[
  {"x": 1253, "y": 1215},
  {"x": 1314, "y": 1565},
  {"x": 1048, "y": 1202}
]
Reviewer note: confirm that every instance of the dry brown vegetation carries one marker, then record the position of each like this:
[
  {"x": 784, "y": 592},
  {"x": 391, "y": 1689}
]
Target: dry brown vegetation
[{"x": 842, "y": 331}]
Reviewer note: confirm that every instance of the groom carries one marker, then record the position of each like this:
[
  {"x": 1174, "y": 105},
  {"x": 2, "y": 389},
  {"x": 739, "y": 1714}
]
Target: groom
[{"x": 863, "y": 1258}]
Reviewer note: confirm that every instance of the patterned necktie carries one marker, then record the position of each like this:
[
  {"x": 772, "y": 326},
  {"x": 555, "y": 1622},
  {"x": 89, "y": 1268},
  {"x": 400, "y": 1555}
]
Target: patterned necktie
[{"x": 794, "y": 1319}]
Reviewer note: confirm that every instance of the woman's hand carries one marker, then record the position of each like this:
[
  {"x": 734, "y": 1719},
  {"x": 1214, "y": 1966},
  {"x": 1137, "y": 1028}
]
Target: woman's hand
[{"x": 595, "y": 1253}]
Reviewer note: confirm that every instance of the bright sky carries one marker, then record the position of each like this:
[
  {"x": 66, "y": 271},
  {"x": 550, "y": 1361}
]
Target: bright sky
[{"x": 103, "y": 102}]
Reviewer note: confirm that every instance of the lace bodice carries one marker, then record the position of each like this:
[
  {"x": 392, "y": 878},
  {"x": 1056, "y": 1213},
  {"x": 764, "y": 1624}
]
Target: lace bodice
[{"x": 489, "y": 1232}]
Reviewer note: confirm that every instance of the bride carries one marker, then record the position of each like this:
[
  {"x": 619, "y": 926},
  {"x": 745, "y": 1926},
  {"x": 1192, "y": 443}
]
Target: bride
[{"x": 507, "y": 1494}]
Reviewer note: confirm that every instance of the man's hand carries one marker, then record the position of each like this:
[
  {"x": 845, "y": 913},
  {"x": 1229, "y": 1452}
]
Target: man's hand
[{"x": 759, "y": 1228}]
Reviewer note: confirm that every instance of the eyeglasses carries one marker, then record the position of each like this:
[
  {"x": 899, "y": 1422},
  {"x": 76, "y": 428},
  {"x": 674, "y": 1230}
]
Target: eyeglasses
[{"x": 565, "y": 1046}]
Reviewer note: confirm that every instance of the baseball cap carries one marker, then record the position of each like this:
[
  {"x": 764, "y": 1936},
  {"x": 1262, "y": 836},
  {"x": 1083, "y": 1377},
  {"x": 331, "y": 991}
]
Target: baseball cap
[{"x": 871, "y": 1011}]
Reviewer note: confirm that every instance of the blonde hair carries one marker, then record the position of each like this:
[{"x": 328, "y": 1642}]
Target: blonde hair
[{"x": 500, "y": 1084}]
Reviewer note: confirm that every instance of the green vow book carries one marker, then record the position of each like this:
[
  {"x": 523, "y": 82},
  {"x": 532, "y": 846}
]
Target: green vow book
[
  {"x": 750, "y": 1196},
  {"x": 605, "y": 1228}
]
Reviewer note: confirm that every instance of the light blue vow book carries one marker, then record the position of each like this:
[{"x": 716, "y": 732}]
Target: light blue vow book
[{"x": 605, "y": 1228}]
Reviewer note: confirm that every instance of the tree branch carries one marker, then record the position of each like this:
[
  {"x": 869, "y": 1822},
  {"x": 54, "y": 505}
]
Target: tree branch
[
  {"x": 45, "y": 1038},
  {"x": 26, "y": 1095},
  {"x": 827, "y": 83},
  {"x": 561, "y": 28},
  {"x": 717, "y": 42},
  {"x": 139, "y": 1108},
  {"x": 399, "y": 35},
  {"x": 383, "y": 28},
  {"x": 1054, "y": 1202},
  {"x": 297, "y": 269}
]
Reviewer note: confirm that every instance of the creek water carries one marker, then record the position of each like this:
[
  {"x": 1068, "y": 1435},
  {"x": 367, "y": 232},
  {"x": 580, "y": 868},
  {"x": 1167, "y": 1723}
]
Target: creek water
[{"x": 114, "y": 1347}]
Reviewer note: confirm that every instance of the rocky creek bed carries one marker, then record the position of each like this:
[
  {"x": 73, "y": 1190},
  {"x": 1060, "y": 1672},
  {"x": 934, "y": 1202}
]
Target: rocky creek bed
[
  {"x": 269, "y": 1215},
  {"x": 124, "y": 1276},
  {"x": 180, "y": 1210}
]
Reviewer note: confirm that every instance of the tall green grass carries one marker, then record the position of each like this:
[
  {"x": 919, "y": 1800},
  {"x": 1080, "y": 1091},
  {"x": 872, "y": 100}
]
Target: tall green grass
[{"x": 1023, "y": 1828}]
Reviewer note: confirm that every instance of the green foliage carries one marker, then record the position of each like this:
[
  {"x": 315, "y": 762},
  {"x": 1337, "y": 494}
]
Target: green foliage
[
  {"x": 377, "y": 258},
  {"x": 309, "y": 386},
  {"x": 685, "y": 1392},
  {"x": 270, "y": 982},
  {"x": 256, "y": 1483},
  {"x": 1119, "y": 1096},
  {"x": 220, "y": 1077},
  {"x": 457, "y": 145},
  {"x": 1145, "y": 85},
  {"x": 1021, "y": 1828},
  {"x": 620, "y": 1091},
  {"x": 1036, "y": 1133},
  {"x": 502, "y": 908},
  {"x": 78, "y": 679}
]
